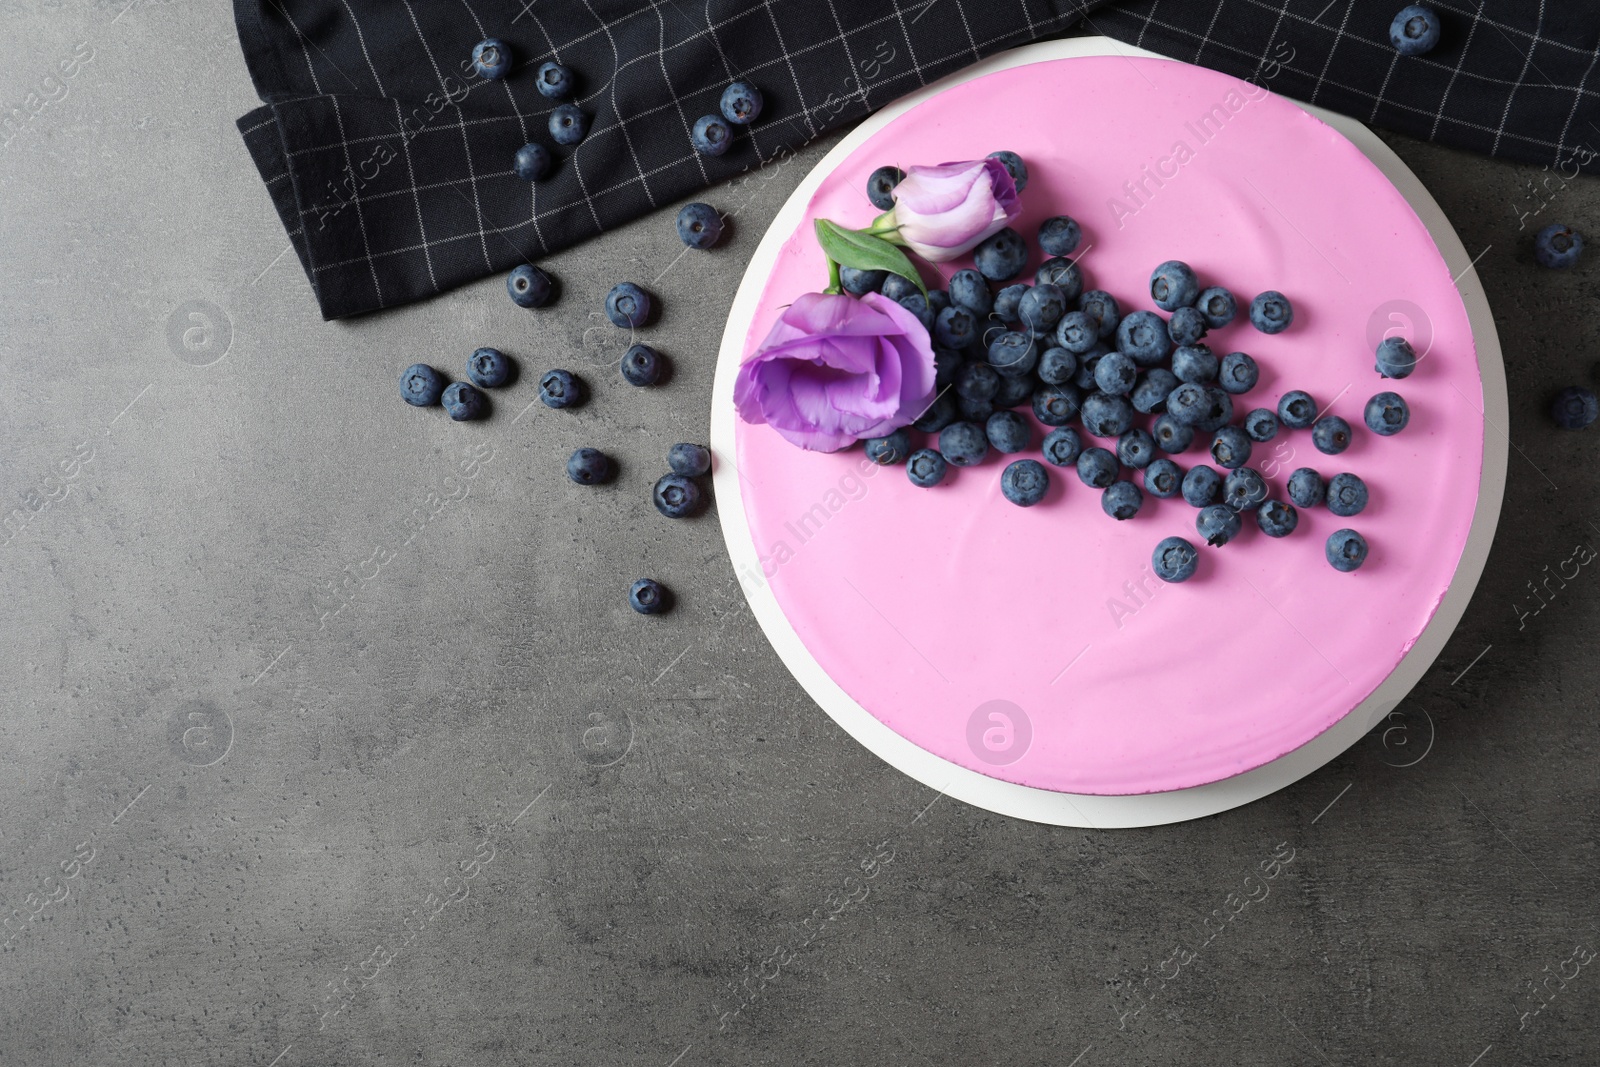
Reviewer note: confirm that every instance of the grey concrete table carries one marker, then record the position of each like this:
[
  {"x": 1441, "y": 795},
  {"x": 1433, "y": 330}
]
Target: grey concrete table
[{"x": 329, "y": 737}]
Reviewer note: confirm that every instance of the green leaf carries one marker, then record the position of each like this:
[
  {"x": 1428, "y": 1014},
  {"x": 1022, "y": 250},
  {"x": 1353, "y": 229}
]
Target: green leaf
[{"x": 862, "y": 251}]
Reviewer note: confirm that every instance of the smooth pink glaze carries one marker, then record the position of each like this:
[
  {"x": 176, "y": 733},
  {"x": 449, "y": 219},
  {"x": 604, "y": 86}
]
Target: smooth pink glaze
[{"x": 925, "y": 604}]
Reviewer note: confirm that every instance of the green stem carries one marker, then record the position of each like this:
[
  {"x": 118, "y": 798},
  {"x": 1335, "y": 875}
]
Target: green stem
[{"x": 834, "y": 284}]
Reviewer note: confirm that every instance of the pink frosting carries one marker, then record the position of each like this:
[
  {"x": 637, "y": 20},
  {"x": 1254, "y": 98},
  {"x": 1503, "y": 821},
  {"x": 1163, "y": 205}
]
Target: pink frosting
[{"x": 926, "y": 606}]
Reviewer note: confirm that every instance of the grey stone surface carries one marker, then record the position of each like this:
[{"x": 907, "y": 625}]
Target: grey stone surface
[{"x": 225, "y": 801}]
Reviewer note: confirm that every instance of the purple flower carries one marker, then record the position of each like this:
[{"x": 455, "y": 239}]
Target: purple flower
[
  {"x": 944, "y": 211},
  {"x": 835, "y": 370}
]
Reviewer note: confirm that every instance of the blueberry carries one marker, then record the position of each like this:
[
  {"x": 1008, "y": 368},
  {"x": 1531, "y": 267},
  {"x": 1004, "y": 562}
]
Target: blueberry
[
  {"x": 897, "y": 287},
  {"x": 691, "y": 461},
  {"x": 1218, "y": 413},
  {"x": 1150, "y": 395},
  {"x": 1106, "y": 415},
  {"x": 1277, "y": 519},
  {"x": 491, "y": 58},
  {"x": 1201, "y": 486},
  {"x": 1217, "y": 524},
  {"x": 976, "y": 410},
  {"x": 532, "y": 162},
  {"x": 641, "y": 365},
  {"x": 1396, "y": 358},
  {"x": 1088, "y": 363},
  {"x": 954, "y": 328},
  {"x": 1008, "y": 432},
  {"x": 1574, "y": 408},
  {"x": 1055, "y": 405},
  {"x": 926, "y": 468},
  {"x": 1415, "y": 30},
  {"x": 1077, "y": 332},
  {"x": 1142, "y": 336},
  {"x": 711, "y": 135},
  {"x": 917, "y": 304},
  {"x": 1121, "y": 500},
  {"x": 1557, "y": 246},
  {"x": 1186, "y": 326},
  {"x": 529, "y": 286},
  {"x": 1217, "y": 306},
  {"x": 1171, "y": 435},
  {"x": 676, "y": 496},
  {"x": 1025, "y": 482},
  {"x": 1163, "y": 478},
  {"x": 1230, "y": 448},
  {"x": 861, "y": 282},
  {"x": 741, "y": 103},
  {"x": 976, "y": 381},
  {"x": 1174, "y": 560},
  {"x": 946, "y": 361},
  {"x": 590, "y": 466},
  {"x": 1014, "y": 389},
  {"x": 1008, "y": 300},
  {"x": 880, "y": 186},
  {"x": 1347, "y": 495},
  {"x": 489, "y": 368},
  {"x": 1116, "y": 373},
  {"x": 970, "y": 290},
  {"x": 1097, "y": 467},
  {"x": 561, "y": 389},
  {"x": 627, "y": 305},
  {"x": 938, "y": 300},
  {"x": 1346, "y": 550},
  {"x": 1261, "y": 424},
  {"x": 421, "y": 385},
  {"x": 1102, "y": 307},
  {"x": 1195, "y": 364},
  {"x": 1386, "y": 414},
  {"x": 1238, "y": 373},
  {"x": 1014, "y": 167},
  {"x": 1135, "y": 449},
  {"x": 553, "y": 80},
  {"x": 462, "y": 402},
  {"x": 1062, "y": 446},
  {"x": 1041, "y": 308},
  {"x": 1331, "y": 435},
  {"x": 939, "y": 414},
  {"x": 1002, "y": 256},
  {"x": 1271, "y": 312},
  {"x": 1297, "y": 410},
  {"x": 568, "y": 124},
  {"x": 1306, "y": 488},
  {"x": 699, "y": 225},
  {"x": 1059, "y": 236},
  {"x": 649, "y": 597},
  {"x": 1173, "y": 285},
  {"x": 963, "y": 444},
  {"x": 1064, "y": 275},
  {"x": 1057, "y": 366},
  {"x": 891, "y": 449},
  {"x": 1243, "y": 489},
  {"x": 1188, "y": 403}
]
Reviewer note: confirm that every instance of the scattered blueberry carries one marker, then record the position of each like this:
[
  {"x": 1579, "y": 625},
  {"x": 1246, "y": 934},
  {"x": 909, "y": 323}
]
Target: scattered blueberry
[
  {"x": 1396, "y": 358},
  {"x": 649, "y": 597},
  {"x": 568, "y": 124},
  {"x": 1013, "y": 354},
  {"x": 1261, "y": 424},
  {"x": 1174, "y": 560},
  {"x": 1297, "y": 410},
  {"x": 1136, "y": 449},
  {"x": 1002, "y": 256},
  {"x": 963, "y": 444},
  {"x": 1150, "y": 394},
  {"x": 970, "y": 290},
  {"x": 421, "y": 386},
  {"x": 926, "y": 468},
  {"x": 1121, "y": 500},
  {"x": 699, "y": 225},
  {"x": 1306, "y": 488},
  {"x": 1008, "y": 432},
  {"x": 1557, "y": 246},
  {"x": 1163, "y": 478},
  {"x": 1059, "y": 236},
  {"x": 491, "y": 58},
  {"x": 976, "y": 410},
  {"x": 1025, "y": 482},
  {"x": 641, "y": 365},
  {"x": 1062, "y": 446},
  {"x": 1186, "y": 326},
  {"x": 1217, "y": 524},
  {"x": 1195, "y": 364},
  {"x": 1271, "y": 312},
  {"x": 691, "y": 461},
  {"x": 1231, "y": 448},
  {"x": 1142, "y": 335},
  {"x": 1077, "y": 332},
  {"x": 1277, "y": 519},
  {"x": 1387, "y": 414},
  {"x": 1415, "y": 30},
  {"x": 488, "y": 368},
  {"x": 1243, "y": 489},
  {"x": 1063, "y": 274},
  {"x": 627, "y": 305},
  {"x": 1014, "y": 167},
  {"x": 529, "y": 286},
  {"x": 532, "y": 162},
  {"x": 1041, "y": 308},
  {"x": 676, "y": 496},
  {"x": 1188, "y": 404},
  {"x": 1346, "y": 550},
  {"x": 1173, "y": 285},
  {"x": 976, "y": 381},
  {"x": 1171, "y": 435},
  {"x": 861, "y": 282},
  {"x": 1116, "y": 373},
  {"x": 741, "y": 103},
  {"x": 711, "y": 135},
  {"x": 1574, "y": 408},
  {"x": 1106, "y": 415},
  {"x": 1055, "y": 405},
  {"x": 462, "y": 402},
  {"x": 1347, "y": 495},
  {"x": 1217, "y": 306},
  {"x": 954, "y": 327},
  {"x": 1057, "y": 366},
  {"x": 1218, "y": 413},
  {"x": 1238, "y": 373},
  {"x": 880, "y": 186},
  {"x": 1331, "y": 435},
  {"x": 1102, "y": 307},
  {"x": 560, "y": 389},
  {"x": 1201, "y": 486},
  {"x": 590, "y": 466},
  {"x": 1097, "y": 467},
  {"x": 553, "y": 80},
  {"x": 891, "y": 449}
]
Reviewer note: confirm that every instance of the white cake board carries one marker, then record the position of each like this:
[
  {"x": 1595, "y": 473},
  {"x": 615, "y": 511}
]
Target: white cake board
[{"x": 1077, "y": 809}]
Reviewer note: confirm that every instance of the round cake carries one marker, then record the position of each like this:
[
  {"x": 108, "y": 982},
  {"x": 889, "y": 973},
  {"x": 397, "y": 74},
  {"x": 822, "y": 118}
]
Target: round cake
[{"x": 1036, "y": 645}]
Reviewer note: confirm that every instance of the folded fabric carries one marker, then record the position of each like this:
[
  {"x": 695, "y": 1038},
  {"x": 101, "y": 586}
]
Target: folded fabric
[{"x": 389, "y": 159}]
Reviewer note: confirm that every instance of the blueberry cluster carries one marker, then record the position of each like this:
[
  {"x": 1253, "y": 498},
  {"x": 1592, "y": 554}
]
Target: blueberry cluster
[
  {"x": 422, "y": 386},
  {"x": 712, "y": 135}
]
